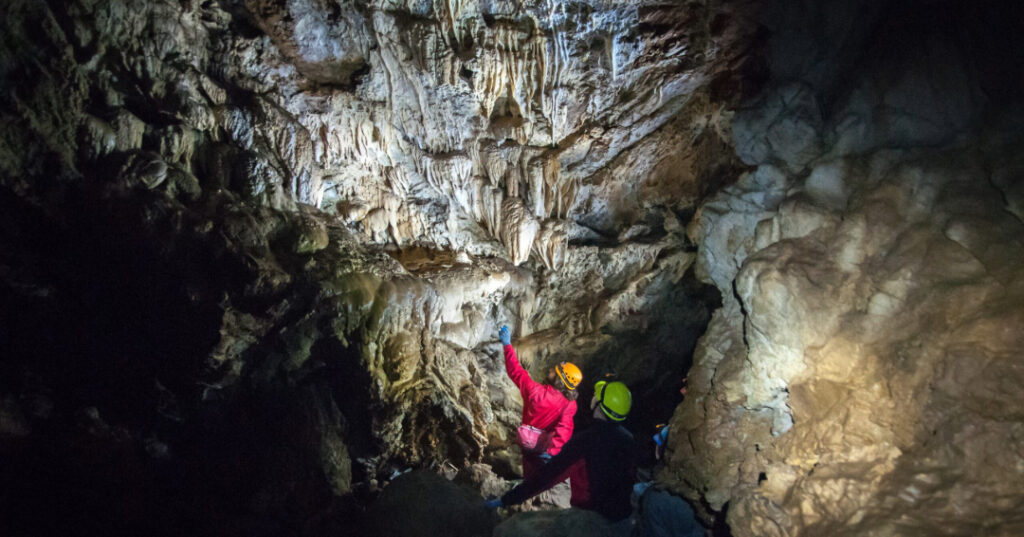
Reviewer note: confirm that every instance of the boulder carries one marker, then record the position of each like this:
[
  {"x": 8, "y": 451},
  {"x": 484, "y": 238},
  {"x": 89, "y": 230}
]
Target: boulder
[
  {"x": 424, "y": 503},
  {"x": 567, "y": 523}
]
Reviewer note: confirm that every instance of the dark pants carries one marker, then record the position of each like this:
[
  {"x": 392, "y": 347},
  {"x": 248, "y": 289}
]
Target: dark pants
[
  {"x": 575, "y": 474},
  {"x": 665, "y": 515},
  {"x": 531, "y": 462}
]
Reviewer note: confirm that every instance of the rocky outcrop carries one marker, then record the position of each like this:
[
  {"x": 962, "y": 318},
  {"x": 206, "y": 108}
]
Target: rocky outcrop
[
  {"x": 854, "y": 382},
  {"x": 423, "y": 503}
]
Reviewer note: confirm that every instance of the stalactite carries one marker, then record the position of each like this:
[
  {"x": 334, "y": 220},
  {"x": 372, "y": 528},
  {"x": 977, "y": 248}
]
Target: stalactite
[
  {"x": 518, "y": 229},
  {"x": 491, "y": 202},
  {"x": 551, "y": 244},
  {"x": 450, "y": 176},
  {"x": 397, "y": 180}
]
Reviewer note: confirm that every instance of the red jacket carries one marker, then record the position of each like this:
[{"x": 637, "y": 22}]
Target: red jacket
[{"x": 544, "y": 407}]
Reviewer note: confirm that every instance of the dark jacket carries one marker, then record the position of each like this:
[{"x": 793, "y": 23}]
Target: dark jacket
[{"x": 607, "y": 451}]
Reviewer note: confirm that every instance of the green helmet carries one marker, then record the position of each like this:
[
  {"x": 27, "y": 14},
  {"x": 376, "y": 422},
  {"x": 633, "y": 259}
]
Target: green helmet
[{"x": 614, "y": 399}]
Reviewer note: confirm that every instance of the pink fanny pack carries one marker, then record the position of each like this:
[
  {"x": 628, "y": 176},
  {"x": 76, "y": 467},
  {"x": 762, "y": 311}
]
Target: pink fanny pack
[{"x": 532, "y": 439}]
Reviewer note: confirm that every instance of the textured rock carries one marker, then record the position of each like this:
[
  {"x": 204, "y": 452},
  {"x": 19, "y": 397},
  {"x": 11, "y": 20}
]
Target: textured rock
[
  {"x": 287, "y": 232},
  {"x": 327, "y": 43},
  {"x": 870, "y": 305},
  {"x": 782, "y": 126},
  {"x": 423, "y": 503},
  {"x": 568, "y": 522},
  {"x": 464, "y": 120},
  {"x": 844, "y": 375}
]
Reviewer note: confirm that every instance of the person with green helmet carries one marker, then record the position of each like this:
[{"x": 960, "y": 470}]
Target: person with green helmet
[{"x": 602, "y": 458}]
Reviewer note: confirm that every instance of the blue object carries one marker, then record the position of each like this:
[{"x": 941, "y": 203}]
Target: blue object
[
  {"x": 493, "y": 504},
  {"x": 661, "y": 436},
  {"x": 640, "y": 488},
  {"x": 544, "y": 457},
  {"x": 665, "y": 515},
  {"x": 505, "y": 336}
]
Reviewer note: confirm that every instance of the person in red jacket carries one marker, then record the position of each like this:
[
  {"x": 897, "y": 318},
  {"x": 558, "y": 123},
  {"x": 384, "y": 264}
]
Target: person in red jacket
[{"x": 548, "y": 409}]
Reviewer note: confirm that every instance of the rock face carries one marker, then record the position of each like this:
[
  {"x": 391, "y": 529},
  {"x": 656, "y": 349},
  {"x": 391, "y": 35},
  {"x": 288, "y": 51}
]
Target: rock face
[
  {"x": 857, "y": 379},
  {"x": 263, "y": 247}
]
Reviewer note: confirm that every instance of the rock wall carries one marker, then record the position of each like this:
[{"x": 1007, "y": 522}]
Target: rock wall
[
  {"x": 254, "y": 254},
  {"x": 472, "y": 128},
  {"x": 859, "y": 378}
]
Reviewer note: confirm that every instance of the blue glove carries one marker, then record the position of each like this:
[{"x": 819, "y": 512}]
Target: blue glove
[
  {"x": 544, "y": 457},
  {"x": 505, "y": 336},
  {"x": 661, "y": 436},
  {"x": 493, "y": 504}
]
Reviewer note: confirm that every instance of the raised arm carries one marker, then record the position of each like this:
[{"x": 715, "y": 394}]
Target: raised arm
[
  {"x": 563, "y": 429},
  {"x": 514, "y": 369}
]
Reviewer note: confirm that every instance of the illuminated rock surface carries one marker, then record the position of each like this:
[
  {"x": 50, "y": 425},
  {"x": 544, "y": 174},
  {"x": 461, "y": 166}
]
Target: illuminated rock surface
[
  {"x": 857, "y": 380},
  {"x": 254, "y": 254}
]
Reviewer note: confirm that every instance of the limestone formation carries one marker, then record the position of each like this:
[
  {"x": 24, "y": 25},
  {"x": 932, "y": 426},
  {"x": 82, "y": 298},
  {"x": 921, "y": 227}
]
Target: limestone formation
[
  {"x": 288, "y": 231},
  {"x": 851, "y": 383}
]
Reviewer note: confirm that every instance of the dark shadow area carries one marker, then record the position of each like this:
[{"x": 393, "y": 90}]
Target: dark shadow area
[
  {"x": 988, "y": 36},
  {"x": 99, "y": 333},
  {"x": 97, "y": 312},
  {"x": 652, "y": 352},
  {"x": 111, "y": 308},
  {"x": 349, "y": 384}
]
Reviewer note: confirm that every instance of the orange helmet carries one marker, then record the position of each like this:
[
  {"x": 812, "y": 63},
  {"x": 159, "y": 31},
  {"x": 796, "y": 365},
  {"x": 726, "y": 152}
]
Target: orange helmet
[{"x": 570, "y": 374}]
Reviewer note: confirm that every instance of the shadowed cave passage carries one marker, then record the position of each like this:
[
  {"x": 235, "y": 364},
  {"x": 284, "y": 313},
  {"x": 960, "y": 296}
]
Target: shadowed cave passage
[{"x": 254, "y": 256}]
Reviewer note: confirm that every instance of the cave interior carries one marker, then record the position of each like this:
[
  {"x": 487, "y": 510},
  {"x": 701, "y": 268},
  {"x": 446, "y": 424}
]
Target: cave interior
[{"x": 254, "y": 255}]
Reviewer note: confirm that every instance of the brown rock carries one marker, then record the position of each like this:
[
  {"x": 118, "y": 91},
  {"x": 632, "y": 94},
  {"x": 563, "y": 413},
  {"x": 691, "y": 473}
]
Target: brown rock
[{"x": 424, "y": 503}]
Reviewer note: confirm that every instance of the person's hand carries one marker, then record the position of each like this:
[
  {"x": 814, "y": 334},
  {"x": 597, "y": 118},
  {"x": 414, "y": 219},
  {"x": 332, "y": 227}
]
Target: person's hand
[
  {"x": 544, "y": 457},
  {"x": 505, "y": 336},
  {"x": 493, "y": 504}
]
